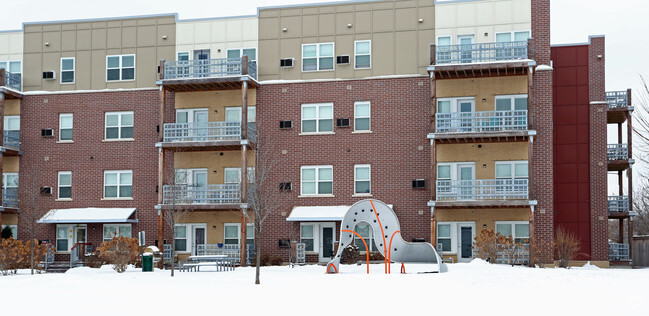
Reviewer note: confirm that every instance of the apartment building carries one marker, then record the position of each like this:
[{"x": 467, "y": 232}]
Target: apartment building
[{"x": 455, "y": 113}]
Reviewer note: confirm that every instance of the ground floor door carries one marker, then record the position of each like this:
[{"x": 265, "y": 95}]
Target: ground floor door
[
  {"x": 198, "y": 236},
  {"x": 69, "y": 235},
  {"x": 465, "y": 243},
  {"x": 327, "y": 241}
]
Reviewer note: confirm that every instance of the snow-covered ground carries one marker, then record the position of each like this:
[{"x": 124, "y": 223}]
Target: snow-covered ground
[{"x": 475, "y": 288}]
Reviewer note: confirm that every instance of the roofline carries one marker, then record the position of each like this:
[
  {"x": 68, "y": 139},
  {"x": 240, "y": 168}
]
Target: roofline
[
  {"x": 590, "y": 40},
  {"x": 11, "y": 31},
  {"x": 219, "y": 18},
  {"x": 175, "y": 15},
  {"x": 316, "y": 4},
  {"x": 454, "y": 1}
]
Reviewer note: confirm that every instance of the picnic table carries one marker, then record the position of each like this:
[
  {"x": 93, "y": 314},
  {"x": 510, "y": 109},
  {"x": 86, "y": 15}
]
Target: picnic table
[{"x": 221, "y": 262}]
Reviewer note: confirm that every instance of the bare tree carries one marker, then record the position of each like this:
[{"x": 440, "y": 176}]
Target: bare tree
[
  {"x": 641, "y": 122},
  {"x": 263, "y": 197},
  {"x": 30, "y": 207},
  {"x": 641, "y": 207},
  {"x": 178, "y": 196}
]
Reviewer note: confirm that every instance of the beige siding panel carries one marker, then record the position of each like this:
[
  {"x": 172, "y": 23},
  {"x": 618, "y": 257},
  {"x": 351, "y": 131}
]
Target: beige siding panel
[
  {"x": 293, "y": 24},
  {"x": 68, "y": 40},
  {"x": 291, "y": 12},
  {"x": 383, "y": 21},
  {"x": 269, "y": 58},
  {"x": 98, "y": 38},
  {"x": 82, "y": 79},
  {"x": 269, "y": 13},
  {"x": 51, "y": 27},
  {"x": 503, "y": 13},
  {"x": 363, "y": 7},
  {"x": 202, "y": 33},
  {"x": 363, "y": 21},
  {"x": 406, "y": 4},
  {"x": 147, "y": 35},
  {"x": 169, "y": 31},
  {"x": 309, "y": 26},
  {"x": 522, "y": 12},
  {"x": 185, "y": 33},
  {"x": 428, "y": 14},
  {"x": 166, "y": 53},
  {"x": 114, "y": 38},
  {"x": 326, "y": 24},
  {"x": 83, "y": 40},
  {"x": 250, "y": 29},
  {"x": 426, "y": 38},
  {"x": 33, "y": 42},
  {"x": 345, "y": 8},
  {"x": 148, "y": 21},
  {"x": 383, "y": 54},
  {"x": 146, "y": 65},
  {"x": 129, "y": 37},
  {"x": 271, "y": 28},
  {"x": 32, "y": 64},
  {"x": 54, "y": 40},
  {"x": 98, "y": 62},
  {"x": 342, "y": 20},
  {"x": 234, "y": 30},
  {"x": 98, "y": 25},
  {"x": 486, "y": 16},
  {"x": 69, "y": 27},
  {"x": 405, "y": 41},
  {"x": 327, "y": 9},
  {"x": 406, "y": 19},
  {"x": 114, "y": 24},
  {"x": 383, "y": 5},
  {"x": 33, "y": 28},
  {"x": 84, "y": 26}
]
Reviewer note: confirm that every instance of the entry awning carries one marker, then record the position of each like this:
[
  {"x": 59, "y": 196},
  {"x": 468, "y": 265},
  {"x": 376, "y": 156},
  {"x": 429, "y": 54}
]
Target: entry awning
[
  {"x": 90, "y": 215},
  {"x": 319, "y": 213}
]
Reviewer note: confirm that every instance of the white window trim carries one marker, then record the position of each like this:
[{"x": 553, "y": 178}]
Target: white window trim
[
  {"x": 370, "y": 238},
  {"x": 190, "y": 174},
  {"x": 369, "y": 104},
  {"x": 239, "y": 109},
  {"x": 121, "y": 68},
  {"x": 189, "y": 56},
  {"x": 119, "y": 126},
  {"x": 62, "y": 115},
  {"x": 317, "y": 57},
  {"x": 241, "y": 52},
  {"x": 59, "y": 186},
  {"x": 251, "y": 172},
  {"x": 14, "y": 61},
  {"x": 119, "y": 185},
  {"x": 6, "y": 122},
  {"x": 368, "y": 54},
  {"x": 440, "y": 36},
  {"x": 513, "y": 226},
  {"x": 71, "y": 235},
  {"x": 512, "y": 33},
  {"x": 119, "y": 227},
  {"x": 317, "y": 180},
  {"x": 188, "y": 248},
  {"x": 455, "y": 103},
  {"x": 190, "y": 114},
  {"x": 454, "y": 234},
  {"x": 512, "y": 165},
  {"x": 4, "y": 179},
  {"x": 454, "y": 167},
  {"x": 369, "y": 180},
  {"x": 74, "y": 70},
  {"x": 249, "y": 227},
  {"x": 317, "y": 118},
  {"x": 316, "y": 237},
  {"x": 513, "y": 98}
]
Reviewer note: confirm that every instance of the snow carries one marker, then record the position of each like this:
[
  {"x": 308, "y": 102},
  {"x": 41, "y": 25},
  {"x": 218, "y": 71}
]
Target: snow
[
  {"x": 468, "y": 288},
  {"x": 319, "y": 213},
  {"x": 88, "y": 215}
]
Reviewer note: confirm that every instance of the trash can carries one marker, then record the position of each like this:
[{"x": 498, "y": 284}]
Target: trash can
[{"x": 147, "y": 262}]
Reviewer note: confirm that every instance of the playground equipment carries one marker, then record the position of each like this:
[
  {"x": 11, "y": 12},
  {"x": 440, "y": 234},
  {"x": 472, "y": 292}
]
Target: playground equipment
[{"x": 387, "y": 236}]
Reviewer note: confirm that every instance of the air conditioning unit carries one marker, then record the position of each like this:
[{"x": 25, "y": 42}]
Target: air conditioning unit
[
  {"x": 47, "y": 132},
  {"x": 342, "y": 122},
  {"x": 285, "y": 124},
  {"x": 49, "y": 75},
  {"x": 284, "y": 243},
  {"x": 46, "y": 190},
  {"x": 286, "y": 63},
  {"x": 419, "y": 184},
  {"x": 285, "y": 186},
  {"x": 342, "y": 60}
]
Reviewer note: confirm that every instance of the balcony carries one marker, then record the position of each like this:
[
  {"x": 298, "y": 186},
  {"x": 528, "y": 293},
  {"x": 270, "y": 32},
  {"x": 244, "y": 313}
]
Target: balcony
[
  {"x": 618, "y": 252},
  {"x": 11, "y": 141},
  {"x": 12, "y": 81},
  {"x": 10, "y": 198},
  {"x": 618, "y": 204},
  {"x": 618, "y": 157},
  {"x": 205, "y": 135},
  {"x": 208, "y": 74},
  {"x": 618, "y": 103},
  {"x": 462, "y": 60},
  {"x": 482, "y": 193},
  {"x": 211, "y": 196},
  {"x": 479, "y": 125}
]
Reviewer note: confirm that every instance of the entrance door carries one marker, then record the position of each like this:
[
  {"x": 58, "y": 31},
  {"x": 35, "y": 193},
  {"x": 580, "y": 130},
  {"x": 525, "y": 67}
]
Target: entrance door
[
  {"x": 326, "y": 242},
  {"x": 201, "y": 57},
  {"x": 466, "y": 48},
  {"x": 465, "y": 251},
  {"x": 465, "y": 107},
  {"x": 199, "y": 238}
]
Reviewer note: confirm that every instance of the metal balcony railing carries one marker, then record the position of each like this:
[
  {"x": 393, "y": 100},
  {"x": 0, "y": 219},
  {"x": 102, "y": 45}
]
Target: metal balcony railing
[
  {"x": 182, "y": 194},
  {"x": 11, "y": 139},
  {"x": 617, "y": 99},
  {"x": 206, "y": 131},
  {"x": 478, "y": 53},
  {"x": 618, "y": 203},
  {"x": 617, "y": 152},
  {"x": 10, "y": 197},
  {"x": 476, "y": 122},
  {"x": 618, "y": 252},
  {"x": 480, "y": 190},
  {"x": 209, "y": 68},
  {"x": 12, "y": 81}
]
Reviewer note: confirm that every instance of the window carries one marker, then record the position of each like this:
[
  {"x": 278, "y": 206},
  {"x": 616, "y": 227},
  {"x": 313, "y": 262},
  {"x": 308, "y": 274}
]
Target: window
[
  {"x": 251, "y": 53},
  {"x": 317, "y": 180},
  {"x": 509, "y": 50},
  {"x": 317, "y": 118},
  {"x": 12, "y": 123},
  {"x": 120, "y": 67},
  {"x": 317, "y": 57},
  {"x": 232, "y": 234},
  {"x": 12, "y": 66},
  {"x": 443, "y": 49},
  {"x": 13, "y": 229},
  {"x": 63, "y": 235},
  {"x": 67, "y": 70},
  {"x": 455, "y": 181},
  {"x": 233, "y": 175},
  {"x": 362, "y": 54},
  {"x": 65, "y": 127},
  {"x": 453, "y": 105},
  {"x": 518, "y": 36},
  {"x": 118, "y": 184},
  {"x": 180, "y": 238},
  {"x": 9, "y": 180},
  {"x": 362, "y": 179},
  {"x": 119, "y": 125},
  {"x": 233, "y": 114},
  {"x": 511, "y": 170},
  {"x": 361, "y": 116},
  {"x": 444, "y": 236},
  {"x": 511, "y": 102},
  {"x": 65, "y": 185},
  {"x": 367, "y": 233},
  {"x": 519, "y": 230},
  {"x": 183, "y": 56},
  {"x": 307, "y": 236},
  {"x": 116, "y": 230}
]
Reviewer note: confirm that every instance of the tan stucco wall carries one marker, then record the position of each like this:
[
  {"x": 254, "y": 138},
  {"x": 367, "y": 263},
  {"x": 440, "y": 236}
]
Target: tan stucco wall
[
  {"x": 90, "y": 42},
  {"x": 485, "y": 157},
  {"x": 218, "y": 218},
  {"x": 215, "y": 102},
  {"x": 400, "y": 43},
  {"x": 11, "y": 46},
  {"x": 12, "y": 107},
  {"x": 10, "y": 164},
  {"x": 214, "y": 161},
  {"x": 9, "y": 219},
  {"x": 217, "y": 35},
  {"x": 483, "y": 216},
  {"x": 482, "y": 89}
]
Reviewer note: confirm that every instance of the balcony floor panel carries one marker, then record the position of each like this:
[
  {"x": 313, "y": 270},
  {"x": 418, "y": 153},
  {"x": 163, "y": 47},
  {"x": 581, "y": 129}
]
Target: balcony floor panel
[
  {"x": 10, "y": 93},
  {"x": 513, "y": 136},
  {"x": 203, "y": 146},
  {"x": 487, "y": 69},
  {"x": 616, "y": 115},
  {"x": 612, "y": 215},
  {"x": 618, "y": 165},
  {"x": 483, "y": 204},
  {"x": 203, "y": 207},
  {"x": 6, "y": 151},
  {"x": 207, "y": 84}
]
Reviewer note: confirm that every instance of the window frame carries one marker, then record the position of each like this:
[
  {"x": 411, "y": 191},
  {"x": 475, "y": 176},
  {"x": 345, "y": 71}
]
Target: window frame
[
  {"x": 8, "y": 67},
  {"x": 119, "y": 126},
  {"x": 369, "y": 180},
  {"x": 227, "y": 50},
  {"x": 370, "y": 239},
  {"x": 317, "y": 118},
  {"x": 14, "y": 230},
  {"x": 512, "y": 164},
  {"x": 449, "y": 238},
  {"x": 314, "y": 237},
  {"x": 369, "y": 54},
  {"x": 118, "y": 185},
  {"x": 369, "y": 117},
  {"x": 513, "y": 229},
  {"x": 6, "y": 122},
  {"x": 185, "y": 238},
  {"x": 317, "y": 180},
  {"x": 252, "y": 113},
  {"x": 512, "y": 35},
  {"x": 59, "y": 185},
  {"x": 6, "y": 175},
  {"x": 73, "y": 70},
  {"x": 251, "y": 172},
  {"x": 250, "y": 240},
  {"x": 61, "y": 116},
  {"x": 512, "y": 98},
  {"x": 121, "y": 68},
  {"x": 454, "y": 104},
  {"x": 119, "y": 230},
  {"x": 317, "y": 56}
]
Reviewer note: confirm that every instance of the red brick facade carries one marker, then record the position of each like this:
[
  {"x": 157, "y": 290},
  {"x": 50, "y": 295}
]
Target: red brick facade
[{"x": 397, "y": 148}]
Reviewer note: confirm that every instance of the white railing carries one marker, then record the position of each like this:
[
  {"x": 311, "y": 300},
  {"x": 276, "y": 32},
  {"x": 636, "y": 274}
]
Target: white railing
[
  {"x": 10, "y": 197},
  {"x": 617, "y": 152},
  {"x": 617, "y": 99},
  {"x": 209, "y": 68},
  {"x": 618, "y": 203},
  {"x": 475, "y": 122},
  {"x": 230, "y": 250},
  {"x": 477, "y": 53},
  {"x": 11, "y": 139},
  {"x": 182, "y": 194},
  {"x": 12, "y": 81},
  {"x": 618, "y": 252},
  {"x": 472, "y": 190},
  {"x": 206, "y": 131}
]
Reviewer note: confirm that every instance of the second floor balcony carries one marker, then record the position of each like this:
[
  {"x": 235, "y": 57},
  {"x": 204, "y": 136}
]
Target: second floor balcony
[
  {"x": 207, "y": 74},
  {"x": 10, "y": 198},
  {"x": 617, "y": 152},
  {"x": 481, "y": 53},
  {"x": 482, "y": 190},
  {"x": 618, "y": 204},
  {"x": 11, "y": 140},
  {"x": 618, "y": 104},
  {"x": 481, "y": 125},
  {"x": 206, "y": 135},
  {"x": 12, "y": 81},
  {"x": 210, "y": 196}
]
